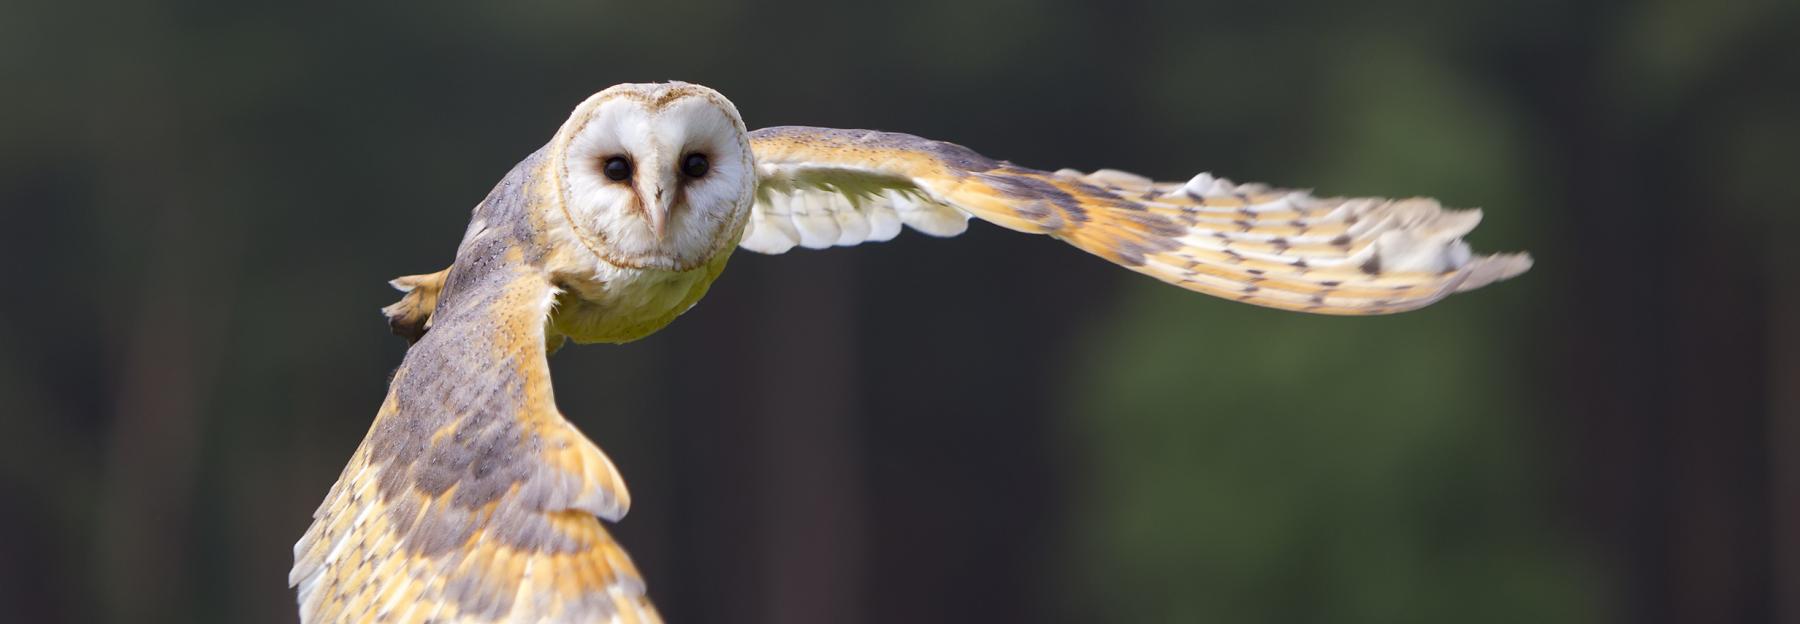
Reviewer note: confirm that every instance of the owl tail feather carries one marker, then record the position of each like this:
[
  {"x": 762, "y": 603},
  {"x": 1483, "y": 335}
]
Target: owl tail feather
[{"x": 410, "y": 317}]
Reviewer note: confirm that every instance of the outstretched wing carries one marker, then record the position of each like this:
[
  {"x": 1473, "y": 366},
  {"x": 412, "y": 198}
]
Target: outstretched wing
[
  {"x": 472, "y": 500},
  {"x": 821, "y": 187}
]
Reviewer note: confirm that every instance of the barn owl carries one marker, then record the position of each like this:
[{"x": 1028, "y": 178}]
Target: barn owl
[{"x": 473, "y": 500}]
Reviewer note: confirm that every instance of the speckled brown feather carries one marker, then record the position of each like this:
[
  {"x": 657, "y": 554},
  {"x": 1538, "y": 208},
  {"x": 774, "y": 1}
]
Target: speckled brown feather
[
  {"x": 1270, "y": 247},
  {"x": 410, "y": 316},
  {"x": 822, "y": 187},
  {"x": 472, "y": 499}
]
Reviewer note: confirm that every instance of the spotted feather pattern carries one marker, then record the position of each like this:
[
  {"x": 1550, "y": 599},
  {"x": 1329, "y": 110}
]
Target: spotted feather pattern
[
  {"x": 1271, "y": 247},
  {"x": 472, "y": 500}
]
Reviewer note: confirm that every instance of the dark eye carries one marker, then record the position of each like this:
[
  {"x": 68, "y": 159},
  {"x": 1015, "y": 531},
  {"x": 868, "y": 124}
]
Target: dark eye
[
  {"x": 617, "y": 169},
  {"x": 694, "y": 165}
]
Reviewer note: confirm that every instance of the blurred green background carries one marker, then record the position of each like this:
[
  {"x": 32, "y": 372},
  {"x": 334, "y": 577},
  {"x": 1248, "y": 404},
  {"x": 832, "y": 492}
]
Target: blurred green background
[{"x": 204, "y": 198}]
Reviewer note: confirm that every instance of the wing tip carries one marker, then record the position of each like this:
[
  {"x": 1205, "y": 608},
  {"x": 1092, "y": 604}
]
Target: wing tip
[{"x": 1494, "y": 268}]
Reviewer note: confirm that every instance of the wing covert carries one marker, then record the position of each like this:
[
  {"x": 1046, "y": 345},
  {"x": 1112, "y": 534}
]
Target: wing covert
[
  {"x": 1273, "y": 247},
  {"x": 472, "y": 500}
]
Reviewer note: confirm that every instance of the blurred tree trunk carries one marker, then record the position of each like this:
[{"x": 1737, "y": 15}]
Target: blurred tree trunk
[{"x": 1667, "y": 342}]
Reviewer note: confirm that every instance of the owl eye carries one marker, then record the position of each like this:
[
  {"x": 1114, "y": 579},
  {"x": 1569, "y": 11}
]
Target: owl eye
[
  {"x": 694, "y": 165},
  {"x": 617, "y": 169}
]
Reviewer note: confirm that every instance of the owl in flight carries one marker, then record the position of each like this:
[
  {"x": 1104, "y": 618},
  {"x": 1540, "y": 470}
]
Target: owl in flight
[{"x": 473, "y": 500}]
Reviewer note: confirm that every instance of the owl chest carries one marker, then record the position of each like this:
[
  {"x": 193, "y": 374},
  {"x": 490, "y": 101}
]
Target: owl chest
[{"x": 622, "y": 305}]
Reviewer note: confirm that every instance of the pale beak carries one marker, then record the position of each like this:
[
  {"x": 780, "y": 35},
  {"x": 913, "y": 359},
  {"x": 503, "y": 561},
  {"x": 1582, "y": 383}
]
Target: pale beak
[{"x": 661, "y": 202}]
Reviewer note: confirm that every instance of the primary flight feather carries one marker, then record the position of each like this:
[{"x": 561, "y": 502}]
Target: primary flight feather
[{"x": 473, "y": 500}]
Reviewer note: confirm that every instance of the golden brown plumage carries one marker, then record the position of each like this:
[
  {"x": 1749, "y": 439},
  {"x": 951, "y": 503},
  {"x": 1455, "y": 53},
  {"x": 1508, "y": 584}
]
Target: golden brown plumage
[
  {"x": 1277, "y": 248},
  {"x": 472, "y": 500}
]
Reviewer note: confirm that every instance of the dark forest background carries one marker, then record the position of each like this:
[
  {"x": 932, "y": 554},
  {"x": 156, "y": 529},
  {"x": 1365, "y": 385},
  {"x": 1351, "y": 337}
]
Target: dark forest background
[{"x": 204, "y": 198}]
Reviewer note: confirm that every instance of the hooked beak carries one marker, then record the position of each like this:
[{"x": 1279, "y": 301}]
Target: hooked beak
[{"x": 656, "y": 211}]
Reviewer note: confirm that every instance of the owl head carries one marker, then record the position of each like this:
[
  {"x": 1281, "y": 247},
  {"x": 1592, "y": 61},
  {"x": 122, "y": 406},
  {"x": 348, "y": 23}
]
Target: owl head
[{"x": 655, "y": 176}]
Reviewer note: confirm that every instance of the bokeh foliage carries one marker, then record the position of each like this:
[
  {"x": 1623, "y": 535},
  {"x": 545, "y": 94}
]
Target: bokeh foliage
[{"x": 204, "y": 197}]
